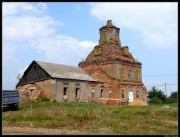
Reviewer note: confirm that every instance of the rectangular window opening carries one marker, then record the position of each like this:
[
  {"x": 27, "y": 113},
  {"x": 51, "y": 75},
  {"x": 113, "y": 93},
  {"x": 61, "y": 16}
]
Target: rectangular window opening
[
  {"x": 137, "y": 94},
  {"x": 101, "y": 93},
  {"x": 122, "y": 95},
  {"x": 76, "y": 93},
  {"x": 65, "y": 90}
]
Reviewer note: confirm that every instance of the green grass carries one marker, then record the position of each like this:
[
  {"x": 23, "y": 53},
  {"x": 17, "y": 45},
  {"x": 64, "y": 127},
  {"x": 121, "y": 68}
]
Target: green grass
[{"x": 96, "y": 118}]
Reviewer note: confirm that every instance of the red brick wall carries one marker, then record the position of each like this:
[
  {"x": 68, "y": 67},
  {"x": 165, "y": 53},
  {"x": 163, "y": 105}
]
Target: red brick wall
[
  {"x": 35, "y": 90},
  {"x": 106, "y": 73}
]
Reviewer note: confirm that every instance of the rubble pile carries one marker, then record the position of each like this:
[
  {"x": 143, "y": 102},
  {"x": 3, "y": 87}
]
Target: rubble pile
[{"x": 138, "y": 102}]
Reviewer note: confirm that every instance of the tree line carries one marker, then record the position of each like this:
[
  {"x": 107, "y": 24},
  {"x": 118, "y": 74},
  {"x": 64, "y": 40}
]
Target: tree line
[{"x": 158, "y": 97}]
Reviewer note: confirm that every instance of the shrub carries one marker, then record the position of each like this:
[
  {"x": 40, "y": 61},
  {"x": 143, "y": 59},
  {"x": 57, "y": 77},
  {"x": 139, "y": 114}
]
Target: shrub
[
  {"x": 54, "y": 101},
  {"x": 156, "y": 100},
  {"x": 156, "y": 96},
  {"x": 171, "y": 100},
  {"x": 174, "y": 95},
  {"x": 43, "y": 99}
]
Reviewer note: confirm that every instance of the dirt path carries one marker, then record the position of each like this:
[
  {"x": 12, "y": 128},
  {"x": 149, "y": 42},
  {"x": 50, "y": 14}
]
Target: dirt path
[{"x": 37, "y": 131}]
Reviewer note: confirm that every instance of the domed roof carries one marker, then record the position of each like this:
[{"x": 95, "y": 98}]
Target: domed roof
[{"x": 109, "y": 25}]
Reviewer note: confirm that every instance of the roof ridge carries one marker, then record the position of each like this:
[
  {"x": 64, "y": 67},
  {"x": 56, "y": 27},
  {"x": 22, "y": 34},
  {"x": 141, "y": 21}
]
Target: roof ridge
[
  {"x": 56, "y": 64},
  {"x": 65, "y": 71}
]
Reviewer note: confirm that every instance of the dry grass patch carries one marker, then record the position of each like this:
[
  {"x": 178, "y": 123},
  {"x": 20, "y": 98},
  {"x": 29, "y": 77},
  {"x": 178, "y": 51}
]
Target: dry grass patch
[{"x": 92, "y": 118}]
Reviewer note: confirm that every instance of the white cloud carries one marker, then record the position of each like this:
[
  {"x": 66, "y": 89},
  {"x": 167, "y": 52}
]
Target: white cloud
[
  {"x": 22, "y": 23},
  {"x": 19, "y": 24},
  {"x": 62, "y": 49},
  {"x": 22, "y": 8},
  {"x": 27, "y": 26},
  {"x": 156, "y": 22},
  {"x": 88, "y": 44},
  {"x": 43, "y": 6}
]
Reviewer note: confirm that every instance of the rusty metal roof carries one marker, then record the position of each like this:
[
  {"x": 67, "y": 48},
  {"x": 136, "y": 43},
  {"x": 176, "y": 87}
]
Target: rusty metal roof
[{"x": 65, "y": 71}]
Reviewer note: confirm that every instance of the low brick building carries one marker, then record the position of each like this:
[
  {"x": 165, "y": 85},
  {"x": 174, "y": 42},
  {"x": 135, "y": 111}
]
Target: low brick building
[
  {"x": 109, "y": 74},
  {"x": 58, "y": 82},
  {"x": 113, "y": 64}
]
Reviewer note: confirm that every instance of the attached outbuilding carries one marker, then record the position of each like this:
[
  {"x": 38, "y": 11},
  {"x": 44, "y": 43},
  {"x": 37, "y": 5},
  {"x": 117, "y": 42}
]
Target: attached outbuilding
[{"x": 59, "y": 82}]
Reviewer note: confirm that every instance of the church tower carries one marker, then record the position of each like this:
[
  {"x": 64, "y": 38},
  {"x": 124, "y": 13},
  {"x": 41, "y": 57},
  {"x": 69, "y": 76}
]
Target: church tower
[
  {"x": 109, "y": 34},
  {"x": 112, "y": 64}
]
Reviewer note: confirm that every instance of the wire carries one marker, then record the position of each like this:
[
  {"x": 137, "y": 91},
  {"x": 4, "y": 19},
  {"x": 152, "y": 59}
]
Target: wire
[
  {"x": 159, "y": 75},
  {"x": 171, "y": 84},
  {"x": 155, "y": 85},
  {"x": 160, "y": 85}
]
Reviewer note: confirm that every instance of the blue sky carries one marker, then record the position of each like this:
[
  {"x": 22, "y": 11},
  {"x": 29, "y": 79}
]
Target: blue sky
[{"x": 66, "y": 32}]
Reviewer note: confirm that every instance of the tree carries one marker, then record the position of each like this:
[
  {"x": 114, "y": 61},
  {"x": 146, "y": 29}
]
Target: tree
[
  {"x": 174, "y": 95},
  {"x": 172, "y": 98},
  {"x": 18, "y": 76},
  {"x": 156, "y": 96}
]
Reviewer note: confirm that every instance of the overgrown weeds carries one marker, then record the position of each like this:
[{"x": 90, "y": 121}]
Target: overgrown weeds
[
  {"x": 42, "y": 99},
  {"x": 93, "y": 118}
]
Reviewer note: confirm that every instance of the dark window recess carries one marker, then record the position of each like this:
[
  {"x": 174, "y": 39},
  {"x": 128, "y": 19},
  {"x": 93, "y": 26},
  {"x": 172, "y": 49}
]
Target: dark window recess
[
  {"x": 137, "y": 94},
  {"x": 101, "y": 93},
  {"x": 129, "y": 73},
  {"x": 123, "y": 94},
  {"x": 76, "y": 93},
  {"x": 65, "y": 89},
  {"x": 34, "y": 67}
]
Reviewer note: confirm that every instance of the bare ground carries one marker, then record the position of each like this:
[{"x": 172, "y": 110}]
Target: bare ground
[
  {"x": 37, "y": 131},
  {"x": 9, "y": 130}
]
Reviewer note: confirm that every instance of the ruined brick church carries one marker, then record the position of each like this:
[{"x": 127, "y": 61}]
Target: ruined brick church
[
  {"x": 112, "y": 63},
  {"x": 109, "y": 71}
]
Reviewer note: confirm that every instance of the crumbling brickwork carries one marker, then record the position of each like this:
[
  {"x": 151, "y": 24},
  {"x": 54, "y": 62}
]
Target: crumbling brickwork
[
  {"x": 112, "y": 64},
  {"x": 114, "y": 73},
  {"x": 35, "y": 90},
  {"x": 54, "y": 89}
]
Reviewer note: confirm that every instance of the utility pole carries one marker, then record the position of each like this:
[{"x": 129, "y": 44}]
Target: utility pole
[{"x": 165, "y": 90}]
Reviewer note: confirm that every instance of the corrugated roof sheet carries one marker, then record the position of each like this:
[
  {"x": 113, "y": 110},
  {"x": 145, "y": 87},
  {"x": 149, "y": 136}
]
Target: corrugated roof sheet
[{"x": 65, "y": 71}]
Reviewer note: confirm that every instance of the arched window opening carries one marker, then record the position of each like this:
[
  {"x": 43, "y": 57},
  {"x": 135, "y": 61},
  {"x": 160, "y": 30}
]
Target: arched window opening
[
  {"x": 104, "y": 37},
  {"x": 65, "y": 94},
  {"x": 76, "y": 92},
  {"x": 137, "y": 94},
  {"x": 65, "y": 91},
  {"x": 129, "y": 74},
  {"x": 122, "y": 94},
  {"x": 101, "y": 95},
  {"x": 110, "y": 92},
  {"x": 122, "y": 72}
]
